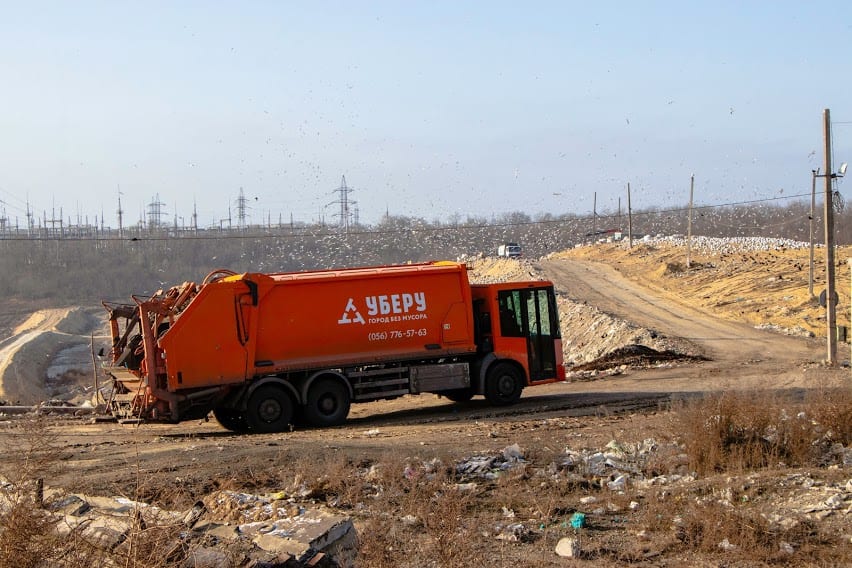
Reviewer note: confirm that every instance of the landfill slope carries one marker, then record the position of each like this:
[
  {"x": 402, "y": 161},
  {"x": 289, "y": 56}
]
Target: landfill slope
[{"x": 27, "y": 354}]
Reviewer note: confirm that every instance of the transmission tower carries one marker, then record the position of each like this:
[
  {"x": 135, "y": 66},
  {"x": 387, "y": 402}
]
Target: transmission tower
[
  {"x": 156, "y": 210},
  {"x": 241, "y": 210},
  {"x": 343, "y": 218}
]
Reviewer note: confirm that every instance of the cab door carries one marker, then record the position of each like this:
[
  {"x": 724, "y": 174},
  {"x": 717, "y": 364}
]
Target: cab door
[
  {"x": 531, "y": 313},
  {"x": 543, "y": 330}
]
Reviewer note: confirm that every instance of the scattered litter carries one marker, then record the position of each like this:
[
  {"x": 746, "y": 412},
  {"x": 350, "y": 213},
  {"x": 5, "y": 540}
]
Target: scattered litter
[
  {"x": 618, "y": 484},
  {"x": 491, "y": 466},
  {"x": 578, "y": 520},
  {"x": 726, "y": 545},
  {"x": 568, "y": 547},
  {"x": 516, "y": 532}
]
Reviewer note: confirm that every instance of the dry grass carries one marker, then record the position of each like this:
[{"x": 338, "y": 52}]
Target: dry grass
[
  {"x": 32, "y": 533},
  {"x": 743, "y": 430},
  {"x": 417, "y": 511},
  {"x": 25, "y": 535}
]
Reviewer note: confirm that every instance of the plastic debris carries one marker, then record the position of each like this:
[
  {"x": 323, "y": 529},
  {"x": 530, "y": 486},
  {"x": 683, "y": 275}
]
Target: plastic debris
[
  {"x": 568, "y": 547},
  {"x": 578, "y": 520}
]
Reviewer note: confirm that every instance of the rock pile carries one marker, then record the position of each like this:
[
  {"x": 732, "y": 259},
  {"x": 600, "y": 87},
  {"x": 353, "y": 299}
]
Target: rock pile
[
  {"x": 225, "y": 529},
  {"x": 718, "y": 245}
]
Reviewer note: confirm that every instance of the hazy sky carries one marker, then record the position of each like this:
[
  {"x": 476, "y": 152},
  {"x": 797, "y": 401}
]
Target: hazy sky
[{"x": 428, "y": 108}]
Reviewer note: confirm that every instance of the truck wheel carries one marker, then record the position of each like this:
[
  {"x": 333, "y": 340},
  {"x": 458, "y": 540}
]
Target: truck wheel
[
  {"x": 459, "y": 395},
  {"x": 327, "y": 404},
  {"x": 269, "y": 409},
  {"x": 231, "y": 419},
  {"x": 504, "y": 384}
]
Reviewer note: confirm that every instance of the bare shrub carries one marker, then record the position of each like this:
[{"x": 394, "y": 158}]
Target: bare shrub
[
  {"x": 742, "y": 430},
  {"x": 380, "y": 543},
  {"x": 446, "y": 523},
  {"x": 832, "y": 410},
  {"x": 26, "y": 535}
]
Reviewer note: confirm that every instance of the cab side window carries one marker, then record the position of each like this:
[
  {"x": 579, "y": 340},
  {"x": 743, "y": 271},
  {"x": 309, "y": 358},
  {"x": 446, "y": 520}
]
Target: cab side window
[{"x": 511, "y": 316}]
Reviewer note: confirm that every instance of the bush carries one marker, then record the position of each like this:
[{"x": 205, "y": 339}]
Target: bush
[{"x": 742, "y": 430}]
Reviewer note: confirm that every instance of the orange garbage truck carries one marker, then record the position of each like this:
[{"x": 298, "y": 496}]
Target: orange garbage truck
[{"x": 263, "y": 351}]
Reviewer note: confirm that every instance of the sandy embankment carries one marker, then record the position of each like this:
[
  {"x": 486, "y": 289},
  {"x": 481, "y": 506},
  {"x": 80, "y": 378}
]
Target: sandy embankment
[{"x": 26, "y": 355}]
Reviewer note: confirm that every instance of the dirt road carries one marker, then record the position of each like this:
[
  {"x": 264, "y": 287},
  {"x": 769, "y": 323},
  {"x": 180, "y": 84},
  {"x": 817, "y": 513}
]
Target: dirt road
[{"x": 740, "y": 355}]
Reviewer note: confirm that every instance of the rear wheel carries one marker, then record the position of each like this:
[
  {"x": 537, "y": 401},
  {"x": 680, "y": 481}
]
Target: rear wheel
[
  {"x": 270, "y": 409},
  {"x": 328, "y": 403},
  {"x": 504, "y": 384},
  {"x": 231, "y": 419}
]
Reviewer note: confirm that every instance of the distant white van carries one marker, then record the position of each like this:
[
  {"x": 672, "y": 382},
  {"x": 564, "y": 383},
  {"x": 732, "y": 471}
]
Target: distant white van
[{"x": 509, "y": 250}]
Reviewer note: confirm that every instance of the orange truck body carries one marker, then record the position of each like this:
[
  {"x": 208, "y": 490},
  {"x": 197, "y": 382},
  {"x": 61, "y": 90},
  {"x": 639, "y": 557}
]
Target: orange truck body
[{"x": 263, "y": 350}]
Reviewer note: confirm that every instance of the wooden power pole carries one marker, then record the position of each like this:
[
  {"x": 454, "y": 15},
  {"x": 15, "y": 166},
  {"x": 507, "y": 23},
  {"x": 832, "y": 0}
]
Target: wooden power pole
[
  {"x": 830, "y": 303},
  {"x": 629, "y": 220},
  {"x": 689, "y": 225},
  {"x": 595, "y": 218}
]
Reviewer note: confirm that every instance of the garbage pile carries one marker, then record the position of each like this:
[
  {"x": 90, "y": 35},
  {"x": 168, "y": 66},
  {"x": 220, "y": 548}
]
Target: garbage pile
[
  {"x": 490, "y": 467},
  {"x": 225, "y": 529},
  {"x": 617, "y": 464}
]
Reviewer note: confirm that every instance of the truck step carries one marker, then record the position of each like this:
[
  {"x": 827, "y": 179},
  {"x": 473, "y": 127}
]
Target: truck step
[
  {"x": 374, "y": 395},
  {"x": 358, "y": 386}
]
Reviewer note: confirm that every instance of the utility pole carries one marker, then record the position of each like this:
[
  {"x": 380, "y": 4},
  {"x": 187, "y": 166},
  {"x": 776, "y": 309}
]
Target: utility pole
[
  {"x": 830, "y": 307},
  {"x": 629, "y": 219},
  {"x": 120, "y": 215},
  {"x": 689, "y": 225},
  {"x": 595, "y": 218},
  {"x": 814, "y": 175},
  {"x": 30, "y": 223}
]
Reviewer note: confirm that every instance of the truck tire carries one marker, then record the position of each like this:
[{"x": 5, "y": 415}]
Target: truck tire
[
  {"x": 327, "y": 404},
  {"x": 269, "y": 409},
  {"x": 503, "y": 384},
  {"x": 231, "y": 419}
]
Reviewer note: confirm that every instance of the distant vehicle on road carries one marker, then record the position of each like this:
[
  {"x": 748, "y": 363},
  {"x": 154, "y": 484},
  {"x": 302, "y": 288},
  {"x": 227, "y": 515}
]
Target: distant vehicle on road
[{"x": 509, "y": 250}]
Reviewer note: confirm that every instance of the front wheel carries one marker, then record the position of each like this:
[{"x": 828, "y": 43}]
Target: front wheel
[
  {"x": 270, "y": 409},
  {"x": 503, "y": 384},
  {"x": 327, "y": 404}
]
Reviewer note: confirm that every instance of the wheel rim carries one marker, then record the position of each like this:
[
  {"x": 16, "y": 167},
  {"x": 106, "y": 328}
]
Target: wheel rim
[
  {"x": 506, "y": 384},
  {"x": 269, "y": 410},
  {"x": 327, "y": 404}
]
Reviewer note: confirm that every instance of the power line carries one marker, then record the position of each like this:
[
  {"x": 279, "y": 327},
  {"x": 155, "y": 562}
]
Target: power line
[{"x": 434, "y": 229}]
